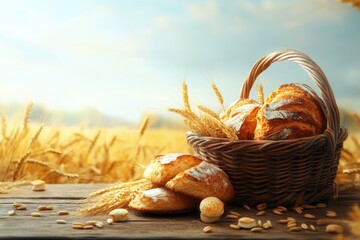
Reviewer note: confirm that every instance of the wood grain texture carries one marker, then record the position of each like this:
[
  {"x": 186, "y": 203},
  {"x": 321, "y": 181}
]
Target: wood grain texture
[{"x": 142, "y": 226}]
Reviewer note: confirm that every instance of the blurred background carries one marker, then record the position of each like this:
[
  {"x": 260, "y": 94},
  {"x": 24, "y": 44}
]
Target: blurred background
[{"x": 108, "y": 63}]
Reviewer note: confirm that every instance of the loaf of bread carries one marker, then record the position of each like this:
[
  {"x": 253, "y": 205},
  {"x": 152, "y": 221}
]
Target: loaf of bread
[
  {"x": 292, "y": 111},
  {"x": 165, "y": 167},
  {"x": 241, "y": 116},
  {"x": 201, "y": 181},
  {"x": 162, "y": 200}
]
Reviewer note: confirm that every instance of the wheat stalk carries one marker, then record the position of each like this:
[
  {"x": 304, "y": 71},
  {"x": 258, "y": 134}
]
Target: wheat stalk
[
  {"x": 185, "y": 96},
  {"x": 144, "y": 125},
  {"x": 116, "y": 196},
  {"x": 36, "y": 135},
  {"x": 260, "y": 93},
  {"x": 27, "y": 116},
  {"x": 4, "y": 127},
  {"x": 60, "y": 173},
  {"x": 208, "y": 111},
  {"x": 218, "y": 95},
  {"x": 20, "y": 164}
]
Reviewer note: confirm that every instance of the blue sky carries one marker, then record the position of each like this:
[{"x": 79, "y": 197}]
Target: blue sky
[{"x": 126, "y": 58}]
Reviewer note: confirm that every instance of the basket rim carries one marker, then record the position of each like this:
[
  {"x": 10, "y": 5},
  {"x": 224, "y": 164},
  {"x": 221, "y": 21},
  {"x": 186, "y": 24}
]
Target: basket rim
[{"x": 342, "y": 135}]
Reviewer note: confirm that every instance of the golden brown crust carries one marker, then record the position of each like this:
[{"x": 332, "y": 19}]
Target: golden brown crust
[
  {"x": 241, "y": 116},
  {"x": 162, "y": 200},
  {"x": 165, "y": 167},
  {"x": 201, "y": 181},
  {"x": 292, "y": 111}
]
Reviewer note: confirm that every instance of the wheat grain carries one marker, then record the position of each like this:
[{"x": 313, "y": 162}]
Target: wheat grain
[
  {"x": 27, "y": 116},
  {"x": 209, "y": 111},
  {"x": 185, "y": 94},
  {"x": 144, "y": 125},
  {"x": 36, "y": 135},
  {"x": 219, "y": 96},
  {"x": 4, "y": 127},
  {"x": 260, "y": 93},
  {"x": 20, "y": 164}
]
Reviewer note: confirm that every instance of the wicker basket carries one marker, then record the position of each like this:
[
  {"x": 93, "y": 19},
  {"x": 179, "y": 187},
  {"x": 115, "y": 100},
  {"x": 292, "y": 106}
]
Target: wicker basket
[{"x": 284, "y": 172}]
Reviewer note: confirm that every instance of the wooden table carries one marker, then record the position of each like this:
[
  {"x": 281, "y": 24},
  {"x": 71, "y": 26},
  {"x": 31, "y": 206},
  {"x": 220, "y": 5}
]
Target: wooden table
[{"x": 141, "y": 226}]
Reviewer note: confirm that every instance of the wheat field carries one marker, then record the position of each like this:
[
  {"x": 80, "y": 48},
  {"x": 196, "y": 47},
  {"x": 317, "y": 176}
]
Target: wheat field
[{"x": 70, "y": 155}]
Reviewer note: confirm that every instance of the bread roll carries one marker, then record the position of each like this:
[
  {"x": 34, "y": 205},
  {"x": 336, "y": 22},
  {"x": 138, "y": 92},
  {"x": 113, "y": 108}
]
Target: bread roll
[
  {"x": 211, "y": 209},
  {"x": 162, "y": 200},
  {"x": 201, "y": 181},
  {"x": 165, "y": 167},
  {"x": 292, "y": 111},
  {"x": 241, "y": 116}
]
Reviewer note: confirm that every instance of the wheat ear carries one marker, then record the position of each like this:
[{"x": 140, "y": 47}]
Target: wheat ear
[
  {"x": 260, "y": 93},
  {"x": 218, "y": 95}
]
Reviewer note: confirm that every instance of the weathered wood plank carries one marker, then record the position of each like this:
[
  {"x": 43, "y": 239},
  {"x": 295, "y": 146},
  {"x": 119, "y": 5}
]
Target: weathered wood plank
[{"x": 143, "y": 226}]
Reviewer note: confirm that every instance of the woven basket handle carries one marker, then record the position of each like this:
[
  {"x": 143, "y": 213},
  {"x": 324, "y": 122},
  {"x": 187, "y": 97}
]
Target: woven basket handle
[{"x": 317, "y": 75}]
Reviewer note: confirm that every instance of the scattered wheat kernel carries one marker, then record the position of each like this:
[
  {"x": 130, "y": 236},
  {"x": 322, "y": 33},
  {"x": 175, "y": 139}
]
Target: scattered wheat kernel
[
  {"x": 60, "y": 221},
  {"x": 234, "y": 226},
  {"x": 321, "y": 205},
  {"x": 331, "y": 214},
  {"x": 110, "y": 221},
  {"x": 232, "y": 216},
  {"x": 298, "y": 210},
  {"x": 283, "y": 221},
  {"x": 277, "y": 212},
  {"x": 246, "y": 207},
  {"x": 207, "y": 229},
  {"x": 261, "y": 206},
  {"x": 312, "y": 227},
  {"x": 282, "y": 208},
  {"x": 41, "y": 207},
  {"x": 290, "y": 225},
  {"x": 261, "y": 213},
  {"x": 17, "y": 204},
  {"x": 235, "y": 213},
  {"x": 291, "y": 219},
  {"x": 77, "y": 226},
  {"x": 334, "y": 228},
  {"x": 35, "y": 214},
  {"x": 62, "y": 213},
  {"x": 266, "y": 225},
  {"x": 99, "y": 224},
  {"x": 309, "y": 216},
  {"x": 49, "y": 207},
  {"x": 269, "y": 222},
  {"x": 259, "y": 223},
  {"x": 38, "y": 185},
  {"x": 11, "y": 212},
  {"x": 304, "y": 226},
  {"x": 295, "y": 229},
  {"x": 256, "y": 229},
  {"x": 88, "y": 226},
  {"x": 21, "y": 207},
  {"x": 91, "y": 222}
]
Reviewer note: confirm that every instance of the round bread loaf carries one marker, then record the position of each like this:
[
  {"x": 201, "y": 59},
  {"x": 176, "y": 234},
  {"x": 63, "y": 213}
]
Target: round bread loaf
[
  {"x": 165, "y": 167},
  {"x": 241, "y": 117},
  {"x": 292, "y": 111},
  {"x": 162, "y": 200},
  {"x": 201, "y": 181}
]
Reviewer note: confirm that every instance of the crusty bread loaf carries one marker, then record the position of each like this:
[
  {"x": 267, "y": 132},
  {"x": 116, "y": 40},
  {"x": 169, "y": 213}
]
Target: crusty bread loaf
[
  {"x": 241, "y": 116},
  {"x": 165, "y": 167},
  {"x": 292, "y": 111},
  {"x": 162, "y": 200},
  {"x": 201, "y": 181}
]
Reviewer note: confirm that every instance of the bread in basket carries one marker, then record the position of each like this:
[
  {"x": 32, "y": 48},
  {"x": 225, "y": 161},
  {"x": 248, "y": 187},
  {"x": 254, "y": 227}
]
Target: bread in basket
[{"x": 281, "y": 172}]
